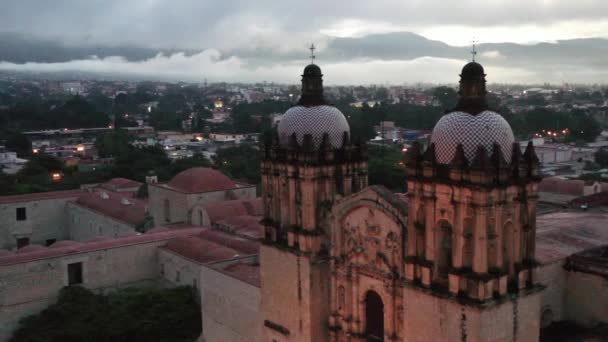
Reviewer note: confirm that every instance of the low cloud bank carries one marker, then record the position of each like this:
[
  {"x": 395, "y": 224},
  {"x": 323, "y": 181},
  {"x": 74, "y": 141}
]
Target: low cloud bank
[{"x": 210, "y": 65}]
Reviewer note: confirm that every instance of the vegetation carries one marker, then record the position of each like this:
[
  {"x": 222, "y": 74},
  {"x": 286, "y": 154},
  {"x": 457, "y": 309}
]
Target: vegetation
[
  {"x": 240, "y": 162},
  {"x": 132, "y": 314},
  {"x": 386, "y": 167}
]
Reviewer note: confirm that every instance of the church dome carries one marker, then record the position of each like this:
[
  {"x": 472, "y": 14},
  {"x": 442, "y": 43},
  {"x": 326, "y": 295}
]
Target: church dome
[
  {"x": 201, "y": 179},
  {"x": 312, "y": 70},
  {"x": 316, "y": 121},
  {"x": 313, "y": 115},
  {"x": 472, "y": 70},
  {"x": 483, "y": 129}
]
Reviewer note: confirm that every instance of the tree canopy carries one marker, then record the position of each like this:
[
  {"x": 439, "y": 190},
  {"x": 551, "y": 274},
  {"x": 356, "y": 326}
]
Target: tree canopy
[{"x": 132, "y": 314}]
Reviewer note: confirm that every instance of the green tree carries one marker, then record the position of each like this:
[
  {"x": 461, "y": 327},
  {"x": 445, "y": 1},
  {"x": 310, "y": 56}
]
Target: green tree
[
  {"x": 132, "y": 314},
  {"x": 115, "y": 143},
  {"x": 386, "y": 167},
  {"x": 19, "y": 143},
  {"x": 197, "y": 160},
  {"x": 601, "y": 157},
  {"x": 446, "y": 96},
  {"x": 241, "y": 162}
]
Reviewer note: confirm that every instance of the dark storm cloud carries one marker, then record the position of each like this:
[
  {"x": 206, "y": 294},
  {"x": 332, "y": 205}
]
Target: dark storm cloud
[{"x": 248, "y": 40}]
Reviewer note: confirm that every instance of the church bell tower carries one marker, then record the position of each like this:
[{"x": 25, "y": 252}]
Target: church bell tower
[{"x": 306, "y": 167}]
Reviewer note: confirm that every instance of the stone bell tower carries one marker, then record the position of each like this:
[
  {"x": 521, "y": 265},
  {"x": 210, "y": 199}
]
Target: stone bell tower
[
  {"x": 471, "y": 227},
  {"x": 307, "y": 166}
]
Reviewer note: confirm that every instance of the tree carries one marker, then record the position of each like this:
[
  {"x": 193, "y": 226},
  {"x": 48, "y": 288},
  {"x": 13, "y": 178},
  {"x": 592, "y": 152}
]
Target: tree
[
  {"x": 386, "y": 167},
  {"x": 197, "y": 160},
  {"x": 240, "y": 162},
  {"x": 131, "y": 314},
  {"x": 601, "y": 157},
  {"x": 584, "y": 127},
  {"x": 115, "y": 143},
  {"x": 19, "y": 143},
  {"x": 446, "y": 96}
]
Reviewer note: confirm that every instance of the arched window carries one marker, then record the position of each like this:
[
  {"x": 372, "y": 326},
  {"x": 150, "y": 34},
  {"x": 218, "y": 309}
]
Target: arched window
[
  {"x": 374, "y": 317},
  {"x": 200, "y": 217},
  {"x": 167, "y": 210},
  {"x": 443, "y": 250},
  {"x": 467, "y": 246},
  {"x": 420, "y": 233},
  {"x": 507, "y": 247},
  {"x": 341, "y": 297},
  {"x": 493, "y": 244}
]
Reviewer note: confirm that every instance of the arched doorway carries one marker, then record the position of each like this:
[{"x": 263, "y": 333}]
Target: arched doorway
[{"x": 374, "y": 317}]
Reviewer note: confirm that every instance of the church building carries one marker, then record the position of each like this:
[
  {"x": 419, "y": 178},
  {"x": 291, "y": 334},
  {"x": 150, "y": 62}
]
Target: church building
[{"x": 341, "y": 261}]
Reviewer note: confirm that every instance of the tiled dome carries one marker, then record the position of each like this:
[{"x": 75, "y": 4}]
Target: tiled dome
[
  {"x": 316, "y": 121},
  {"x": 471, "y": 131},
  {"x": 201, "y": 179}
]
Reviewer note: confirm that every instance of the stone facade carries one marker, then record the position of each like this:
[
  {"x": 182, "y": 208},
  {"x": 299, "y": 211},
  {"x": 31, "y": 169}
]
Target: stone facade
[
  {"x": 230, "y": 306},
  {"x": 31, "y": 281},
  {"x": 456, "y": 263},
  {"x": 168, "y": 205},
  {"x": 85, "y": 224},
  {"x": 300, "y": 184},
  {"x": 42, "y": 219}
]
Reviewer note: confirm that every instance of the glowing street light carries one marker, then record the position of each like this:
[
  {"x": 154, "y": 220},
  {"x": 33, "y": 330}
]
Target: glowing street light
[{"x": 56, "y": 176}]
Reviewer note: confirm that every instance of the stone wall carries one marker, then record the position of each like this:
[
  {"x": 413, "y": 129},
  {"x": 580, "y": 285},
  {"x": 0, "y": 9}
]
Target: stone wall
[
  {"x": 230, "y": 308},
  {"x": 28, "y": 287},
  {"x": 178, "y": 270},
  {"x": 85, "y": 224},
  {"x": 553, "y": 276},
  {"x": 181, "y": 204},
  {"x": 45, "y": 220},
  {"x": 586, "y": 298},
  {"x": 429, "y": 317}
]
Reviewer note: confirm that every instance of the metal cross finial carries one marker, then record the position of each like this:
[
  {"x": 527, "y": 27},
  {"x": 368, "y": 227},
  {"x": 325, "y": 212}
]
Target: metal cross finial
[
  {"x": 312, "y": 53},
  {"x": 474, "y": 51}
]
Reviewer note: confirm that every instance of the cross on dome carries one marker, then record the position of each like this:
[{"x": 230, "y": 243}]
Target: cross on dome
[
  {"x": 312, "y": 53},
  {"x": 474, "y": 50}
]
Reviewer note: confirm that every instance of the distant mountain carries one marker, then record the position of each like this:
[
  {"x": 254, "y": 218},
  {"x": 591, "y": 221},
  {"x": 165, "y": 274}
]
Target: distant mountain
[
  {"x": 582, "y": 59},
  {"x": 17, "y": 48},
  {"x": 389, "y": 46}
]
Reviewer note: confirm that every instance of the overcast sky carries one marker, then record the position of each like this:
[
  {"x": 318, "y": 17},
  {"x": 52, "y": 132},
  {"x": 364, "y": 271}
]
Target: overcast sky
[{"x": 287, "y": 27}]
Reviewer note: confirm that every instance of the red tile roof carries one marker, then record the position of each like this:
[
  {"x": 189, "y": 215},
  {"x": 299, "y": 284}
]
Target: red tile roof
[
  {"x": 595, "y": 200},
  {"x": 573, "y": 187},
  {"x": 40, "y": 196},
  {"x": 560, "y": 235},
  {"x": 119, "y": 206},
  {"x": 200, "y": 250},
  {"x": 97, "y": 244},
  {"x": 221, "y": 210},
  {"x": 242, "y": 245},
  {"x": 116, "y": 184},
  {"x": 201, "y": 179},
  {"x": 249, "y": 273},
  {"x": 244, "y": 225}
]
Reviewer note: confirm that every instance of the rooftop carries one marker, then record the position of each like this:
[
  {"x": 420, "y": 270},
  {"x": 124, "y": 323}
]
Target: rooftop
[
  {"x": 40, "y": 196},
  {"x": 117, "y": 205},
  {"x": 201, "y": 179},
  {"x": 247, "y": 272},
  {"x": 222, "y": 210},
  {"x": 67, "y": 248},
  {"x": 560, "y": 235}
]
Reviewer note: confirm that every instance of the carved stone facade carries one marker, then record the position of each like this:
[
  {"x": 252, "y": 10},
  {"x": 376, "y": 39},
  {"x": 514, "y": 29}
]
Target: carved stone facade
[
  {"x": 343, "y": 262},
  {"x": 471, "y": 228},
  {"x": 368, "y": 245}
]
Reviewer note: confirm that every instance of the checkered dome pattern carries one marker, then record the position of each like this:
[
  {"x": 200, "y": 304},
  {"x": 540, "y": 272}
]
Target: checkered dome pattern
[
  {"x": 483, "y": 129},
  {"x": 316, "y": 121}
]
